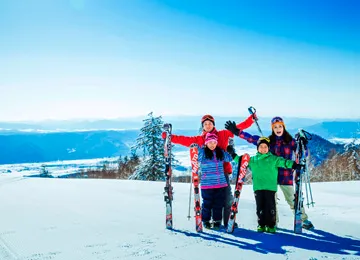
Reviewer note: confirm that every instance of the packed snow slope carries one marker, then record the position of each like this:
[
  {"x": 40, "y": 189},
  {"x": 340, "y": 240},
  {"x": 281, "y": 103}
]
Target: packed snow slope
[{"x": 111, "y": 219}]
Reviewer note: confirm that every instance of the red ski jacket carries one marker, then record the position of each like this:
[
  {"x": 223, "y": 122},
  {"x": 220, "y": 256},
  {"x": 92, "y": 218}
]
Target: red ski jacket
[{"x": 223, "y": 139}]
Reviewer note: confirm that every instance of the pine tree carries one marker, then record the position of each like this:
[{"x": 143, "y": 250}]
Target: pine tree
[
  {"x": 352, "y": 152},
  {"x": 151, "y": 144}
]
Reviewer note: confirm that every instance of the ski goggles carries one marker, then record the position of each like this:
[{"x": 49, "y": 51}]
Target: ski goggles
[
  {"x": 264, "y": 139},
  {"x": 278, "y": 120},
  {"x": 208, "y": 117}
]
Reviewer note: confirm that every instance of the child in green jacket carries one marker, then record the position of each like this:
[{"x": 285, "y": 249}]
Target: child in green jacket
[{"x": 264, "y": 167}]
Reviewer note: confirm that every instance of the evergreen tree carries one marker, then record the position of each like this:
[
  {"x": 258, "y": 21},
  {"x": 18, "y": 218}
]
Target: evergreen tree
[
  {"x": 352, "y": 153},
  {"x": 151, "y": 144}
]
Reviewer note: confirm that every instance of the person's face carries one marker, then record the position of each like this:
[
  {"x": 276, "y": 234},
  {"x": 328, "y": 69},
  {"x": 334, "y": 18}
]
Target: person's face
[
  {"x": 211, "y": 145},
  {"x": 278, "y": 129},
  {"x": 263, "y": 148},
  {"x": 208, "y": 126}
]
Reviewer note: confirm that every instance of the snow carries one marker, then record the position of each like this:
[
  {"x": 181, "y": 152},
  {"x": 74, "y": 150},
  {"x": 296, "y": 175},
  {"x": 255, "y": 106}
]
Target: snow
[
  {"x": 121, "y": 219},
  {"x": 58, "y": 168},
  {"x": 344, "y": 140}
]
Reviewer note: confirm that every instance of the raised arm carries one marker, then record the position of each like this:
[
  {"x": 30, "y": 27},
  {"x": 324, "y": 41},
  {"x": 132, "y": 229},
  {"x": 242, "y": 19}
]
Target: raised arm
[
  {"x": 242, "y": 125},
  {"x": 185, "y": 140},
  {"x": 232, "y": 127},
  {"x": 246, "y": 124},
  {"x": 249, "y": 138}
]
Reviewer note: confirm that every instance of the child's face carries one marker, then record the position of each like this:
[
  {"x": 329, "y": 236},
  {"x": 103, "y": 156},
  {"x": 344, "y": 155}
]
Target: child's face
[
  {"x": 208, "y": 126},
  {"x": 211, "y": 145},
  {"x": 263, "y": 148},
  {"x": 278, "y": 129}
]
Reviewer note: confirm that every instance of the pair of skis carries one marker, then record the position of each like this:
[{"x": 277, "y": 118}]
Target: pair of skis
[
  {"x": 168, "y": 190},
  {"x": 300, "y": 157}
]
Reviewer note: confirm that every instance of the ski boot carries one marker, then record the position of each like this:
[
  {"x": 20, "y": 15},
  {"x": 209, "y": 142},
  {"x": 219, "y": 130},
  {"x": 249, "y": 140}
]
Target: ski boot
[
  {"x": 261, "y": 229},
  {"x": 307, "y": 225},
  {"x": 271, "y": 230},
  {"x": 216, "y": 225},
  {"x": 207, "y": 224}
]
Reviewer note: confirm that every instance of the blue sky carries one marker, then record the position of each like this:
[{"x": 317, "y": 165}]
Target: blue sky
[{"x": 106, "y": 59}]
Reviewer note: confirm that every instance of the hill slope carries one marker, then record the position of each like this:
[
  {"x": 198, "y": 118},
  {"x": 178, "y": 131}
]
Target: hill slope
[{"x": 108, "y": 219}]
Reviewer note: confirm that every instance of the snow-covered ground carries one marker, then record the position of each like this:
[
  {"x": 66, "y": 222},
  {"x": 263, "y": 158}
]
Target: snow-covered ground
[
  {"x": 73, "y": 219},
  {"x": 344, "y": 140},
  {"x": 57, "y": 168}
]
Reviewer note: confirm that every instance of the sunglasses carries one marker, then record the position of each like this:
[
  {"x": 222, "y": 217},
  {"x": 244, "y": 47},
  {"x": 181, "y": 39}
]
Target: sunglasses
[{"x": 277, "y": 120}]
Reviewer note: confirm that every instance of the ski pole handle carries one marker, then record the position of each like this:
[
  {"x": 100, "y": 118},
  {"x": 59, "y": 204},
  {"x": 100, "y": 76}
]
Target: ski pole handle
[{"x": 252, "y": 111}]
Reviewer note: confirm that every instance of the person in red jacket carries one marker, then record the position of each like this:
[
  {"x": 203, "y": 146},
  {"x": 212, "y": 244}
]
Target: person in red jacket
[{"x": 208, "y": 125}]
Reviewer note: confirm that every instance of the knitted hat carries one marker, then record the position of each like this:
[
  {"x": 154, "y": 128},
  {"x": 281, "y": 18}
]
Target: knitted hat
[
  {"x": 207, "y": 118},
  {"x": 210, "y": 137},
  {"x": 277, "y": 120},
  {"x": 263, "y": 140}
]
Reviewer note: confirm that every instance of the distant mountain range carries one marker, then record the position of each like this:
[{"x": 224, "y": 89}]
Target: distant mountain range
[
  {"x": 69, "y": 140},
  {"x": 178, "y": 122}
]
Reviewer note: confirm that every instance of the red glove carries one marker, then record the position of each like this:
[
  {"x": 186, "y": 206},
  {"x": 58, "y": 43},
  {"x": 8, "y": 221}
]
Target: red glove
[{"x": 163, "y": 135}]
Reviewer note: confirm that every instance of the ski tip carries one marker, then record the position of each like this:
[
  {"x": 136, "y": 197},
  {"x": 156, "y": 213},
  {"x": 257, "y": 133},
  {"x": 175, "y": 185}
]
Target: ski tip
[{"x": 246, "y": 155}]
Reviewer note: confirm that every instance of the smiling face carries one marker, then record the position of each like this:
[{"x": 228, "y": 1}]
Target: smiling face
[
  {"x": 208, "y": 126},
  {"x": 278, "y": 129},
  {"x": 263, "y": 148},
  {"x": 211, "y": 145}
]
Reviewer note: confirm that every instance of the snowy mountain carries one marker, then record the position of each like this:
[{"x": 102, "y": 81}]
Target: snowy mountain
[
  {"x": 320, "y": 149},
  {"x": 62, "y": 219},
  {"x": 73, "y": 140},
  {"x": 43, "y": 147},
  {"x": 179, "y": 122}
]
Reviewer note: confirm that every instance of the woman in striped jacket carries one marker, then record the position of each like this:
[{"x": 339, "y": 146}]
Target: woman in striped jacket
[{"x": 213, "y": 182}]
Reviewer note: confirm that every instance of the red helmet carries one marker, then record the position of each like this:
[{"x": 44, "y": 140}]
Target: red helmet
[{"x": 209, "y": 118}]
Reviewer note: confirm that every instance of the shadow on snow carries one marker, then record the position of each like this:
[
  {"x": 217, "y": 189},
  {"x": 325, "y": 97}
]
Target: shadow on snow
[{"x": 316, "y": 240}]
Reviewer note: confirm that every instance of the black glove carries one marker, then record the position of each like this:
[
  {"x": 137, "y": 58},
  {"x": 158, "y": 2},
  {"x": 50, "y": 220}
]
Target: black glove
[
  {"x": 230, "y": 149},
  {"x": 304, "y": 141},
  {"x": 231, "y": 126},
  {"x": 297, "y": 166},
  {"x": 301, "y": 139}
]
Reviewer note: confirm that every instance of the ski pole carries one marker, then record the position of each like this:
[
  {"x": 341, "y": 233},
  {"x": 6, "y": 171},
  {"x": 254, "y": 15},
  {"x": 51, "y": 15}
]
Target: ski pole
[
  {"x": 311, "y": 197},
  {"x": 252, "y": 111},
  {"x": 190, "y": 196},
  {"x": 305, "y": 172},
  {"x": 306, "y": 188},
  {"x": 307, "y": 136}
]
